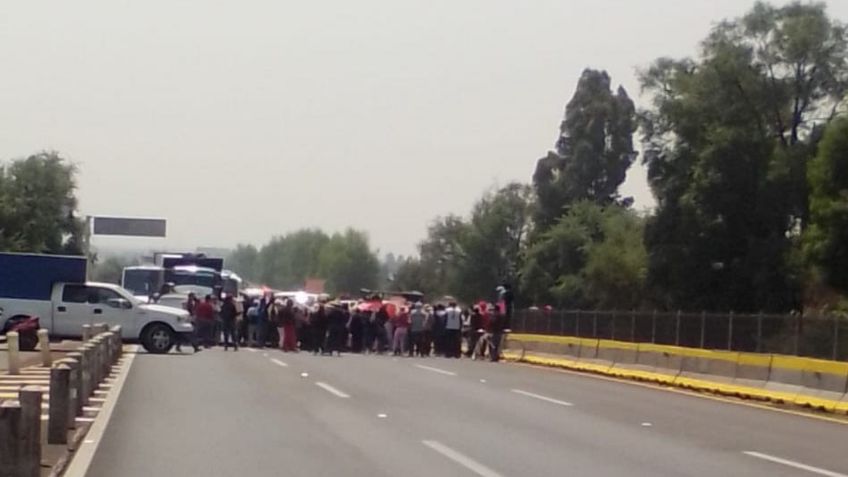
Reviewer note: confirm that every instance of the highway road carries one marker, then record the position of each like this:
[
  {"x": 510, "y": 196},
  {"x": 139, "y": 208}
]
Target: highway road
[{"x": 266, "y": 413}]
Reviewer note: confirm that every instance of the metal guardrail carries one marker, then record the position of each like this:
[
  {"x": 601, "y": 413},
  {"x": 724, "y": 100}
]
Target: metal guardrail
[{"x": 823, "y": 337}]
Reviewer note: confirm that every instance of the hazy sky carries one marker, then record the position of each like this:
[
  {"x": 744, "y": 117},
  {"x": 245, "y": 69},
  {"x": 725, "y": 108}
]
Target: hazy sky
[{"x": 238, "y": 120}]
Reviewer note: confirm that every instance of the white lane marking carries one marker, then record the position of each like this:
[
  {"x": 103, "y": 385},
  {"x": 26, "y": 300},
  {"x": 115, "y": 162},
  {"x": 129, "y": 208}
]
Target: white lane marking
[
  {"x": 304, "y": 375},
  {"x": 279, "y": 363},
  {"x": 796, "y": 465},
  {"x": 461, "y": 459},
  {"x": 332, "y": 390},
  {"x": 542, "y": 398},
  {"x": 251, "y": 350},
  {"x": 647, "y": 424},
  {"x": 436, "y": 370},
  {"x": 382, "y": 416}
]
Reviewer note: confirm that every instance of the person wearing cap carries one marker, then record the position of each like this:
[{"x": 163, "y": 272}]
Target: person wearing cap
[{"x": 453, "y": 331}]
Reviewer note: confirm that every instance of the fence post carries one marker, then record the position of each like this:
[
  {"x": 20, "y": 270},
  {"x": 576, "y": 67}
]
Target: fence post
[
  {"x": 654, "y": 326},
  {"x": 632, "y": 326},
  {"x": 760, "y": 332},
  {"x": 550, "y": 318},
  {"x": 703, "y": 327},
  {"x": 60, "y": 395},
  {"x": 12, "y": 340},
  {"x": 10, "y": 438},
  {"x": 86, "y": 364},
  {"x": 797, "y": 343},
  {"x": 677, "y": 330},
  {"x": 577, "y": 324},
  {"x": 595, "y": 324},
  {"x": 835, "y": 337},
  {"x": 44, "y": 346},
  {"x": 612, "y": 328},
  {"x": 30, "y": 446},
  {"x": 524, "y": 322},
  {"x": 730, "y": 332}
]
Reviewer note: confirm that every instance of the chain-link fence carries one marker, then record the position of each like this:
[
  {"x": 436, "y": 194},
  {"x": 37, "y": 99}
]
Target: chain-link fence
[{"x": 802, "y": 335}]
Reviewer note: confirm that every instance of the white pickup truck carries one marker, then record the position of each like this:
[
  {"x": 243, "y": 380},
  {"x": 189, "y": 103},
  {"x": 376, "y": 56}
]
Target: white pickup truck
[{"x": 63, "y": 307}]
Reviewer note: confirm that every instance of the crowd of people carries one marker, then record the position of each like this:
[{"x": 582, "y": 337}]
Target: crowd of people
[{"x": 368, "y": 326}]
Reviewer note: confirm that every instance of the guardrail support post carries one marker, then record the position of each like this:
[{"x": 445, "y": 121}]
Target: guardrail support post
[
  {"x": 632, "y": 326},
  {"x": 44, "y": 346},
  {"x": 74, "y": 407},
  {"x": 703, "y": 327},
  {"x": 60, "y": 405},
  {"x": 30, "y": 398},
  {"x": 577, "y": 324},
  {"x": 612, "y": 328},
  {"x": 13, "y": 340},
  {"x": 797, "y": 343},
  {"x": 10, "y": 438},
  {"x": 760, "y": 332},
  {"x": 594, "y": 324}
]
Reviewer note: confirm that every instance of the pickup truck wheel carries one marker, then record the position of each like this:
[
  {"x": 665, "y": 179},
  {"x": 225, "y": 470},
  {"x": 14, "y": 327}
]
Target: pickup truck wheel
[{"x": 158, "y": 338}]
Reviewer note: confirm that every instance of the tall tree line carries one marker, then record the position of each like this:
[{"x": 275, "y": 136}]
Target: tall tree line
[{"x": 746, "y": 146}]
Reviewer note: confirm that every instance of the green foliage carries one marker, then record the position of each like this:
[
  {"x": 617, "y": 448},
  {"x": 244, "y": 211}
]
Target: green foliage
[
  {"x": 38, "y": 206},
  {"x": 728, "y": 139},
  {"x": 348, "y": 263},
  {"x": 592, "y": 257},
  {"x": 344, "y": 260},
  {"x": 593, "y": 152},
  {"x": 244, "y": 260},
  {"x": 826, "y": 240},
  {"x": 111, "y": 269}
]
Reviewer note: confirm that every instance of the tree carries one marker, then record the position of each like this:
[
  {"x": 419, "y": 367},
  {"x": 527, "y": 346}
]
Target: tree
[
  {"x": 592, "y": 257},
  {"x": 348, "y": 263},
  {"x": 593, "y": 152},
  {"x": 38, "y": 206},
  {"x": 244, "y": 260},
  {"x": 111, "y": 269},
  {"x": 727, "y": 141},
  {"x": 494, "y": 241},
  {"x": 826, "y": 240},
  {"x": 287, "y": 261}
]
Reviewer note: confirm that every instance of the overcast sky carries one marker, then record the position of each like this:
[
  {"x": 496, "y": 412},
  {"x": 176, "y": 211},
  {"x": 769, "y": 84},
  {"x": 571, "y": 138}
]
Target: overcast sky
[{"x": 239, "y": 120}]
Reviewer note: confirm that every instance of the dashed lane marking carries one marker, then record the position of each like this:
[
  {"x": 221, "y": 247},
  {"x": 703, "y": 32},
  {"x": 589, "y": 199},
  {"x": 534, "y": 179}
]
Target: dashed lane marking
[
  {"x": 795, "y": 465},
  {"x": 435, "y": 370},
  {"x": 542, "y": 398},
  {"x": 461, "y": 459},
  {"x": 279, "y": 363},
  {"x": 332, "y": 390}
]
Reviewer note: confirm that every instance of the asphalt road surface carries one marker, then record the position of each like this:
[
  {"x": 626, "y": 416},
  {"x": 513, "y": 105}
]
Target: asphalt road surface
[{"x": 266, "y": 413}]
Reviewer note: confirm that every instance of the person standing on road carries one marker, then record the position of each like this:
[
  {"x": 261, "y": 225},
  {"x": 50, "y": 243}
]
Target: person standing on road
[
  {"x": 337, "y": 328},
  {"x": 475, "y": 325},
  {"x": 453, "y": 327},
  {"x": 401, "y": 329},
  {"x": 288, "y": 339},
  {"x": 356, "y": 326},
  {"x": 381, "y": 329},
  {"x": 205, "y": 312},
  {"x": 417, "y": 323},
  {"x": 318, "y": 323},
  {"x": 439, "y": 330},
  {"x": 191, "y": 307},
  {"x": 229, "y": 315}
]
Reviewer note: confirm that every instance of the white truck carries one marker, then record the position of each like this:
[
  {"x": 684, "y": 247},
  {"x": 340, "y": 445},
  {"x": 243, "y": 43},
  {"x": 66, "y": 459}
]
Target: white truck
[{"x": 54, "y": 289}]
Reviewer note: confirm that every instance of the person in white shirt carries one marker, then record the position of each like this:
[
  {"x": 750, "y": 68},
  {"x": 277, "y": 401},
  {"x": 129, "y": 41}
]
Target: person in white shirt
[{"x": 453, "y": 334}]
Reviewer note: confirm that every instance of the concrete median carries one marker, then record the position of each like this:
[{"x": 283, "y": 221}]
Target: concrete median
[{"x": 804, "y": 382}]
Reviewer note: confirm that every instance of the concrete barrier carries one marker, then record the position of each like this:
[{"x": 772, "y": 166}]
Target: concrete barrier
[
  {"x": 700, "y": 364},
  {"x": 44, "y": 347},
  {"x": 813, "y": 382},
  {"x": 13, "y": 341},
  {"x": 30, "y": 398},
  {"x": 60, "y": 404},
  {"x": 74, "y": 407},
  {"x": 753, "y": 370},
  {"x": 10, "y": 438}
]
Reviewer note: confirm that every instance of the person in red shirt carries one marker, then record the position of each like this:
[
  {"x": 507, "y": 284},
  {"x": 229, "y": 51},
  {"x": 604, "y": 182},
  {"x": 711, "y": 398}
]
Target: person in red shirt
[{"x": 205, "y": 315}]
